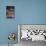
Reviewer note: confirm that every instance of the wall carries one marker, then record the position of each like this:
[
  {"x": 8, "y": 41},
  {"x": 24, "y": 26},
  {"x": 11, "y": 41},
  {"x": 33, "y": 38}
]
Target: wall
[{"x": 27, "y": 12}]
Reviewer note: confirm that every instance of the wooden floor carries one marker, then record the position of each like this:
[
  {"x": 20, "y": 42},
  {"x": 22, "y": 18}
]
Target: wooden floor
[
  {"x": 28, "y": 43},
  {"x": 34, "y": 43}
]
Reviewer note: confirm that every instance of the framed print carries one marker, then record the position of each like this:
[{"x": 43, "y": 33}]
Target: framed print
[
  {"x": 10, "y": 12},
  {"x": 32, "y": 32}
]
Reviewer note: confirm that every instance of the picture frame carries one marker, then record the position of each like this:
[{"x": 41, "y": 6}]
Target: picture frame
[{"x": 10, "y": 12}]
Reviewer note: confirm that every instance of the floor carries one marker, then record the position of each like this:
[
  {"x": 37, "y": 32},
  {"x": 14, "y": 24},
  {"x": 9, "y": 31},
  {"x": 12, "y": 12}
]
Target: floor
[
  {"x": 7, "y": 45},
  {"x": 34, "y": 43},
  {"x": 28, "y": 43}
]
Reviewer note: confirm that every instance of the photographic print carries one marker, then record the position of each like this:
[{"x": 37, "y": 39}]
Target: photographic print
[
  {"x": 28, "y": 34},
  {"x": 10, "y": 12},
  {"x": 33, "y": 32}
]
